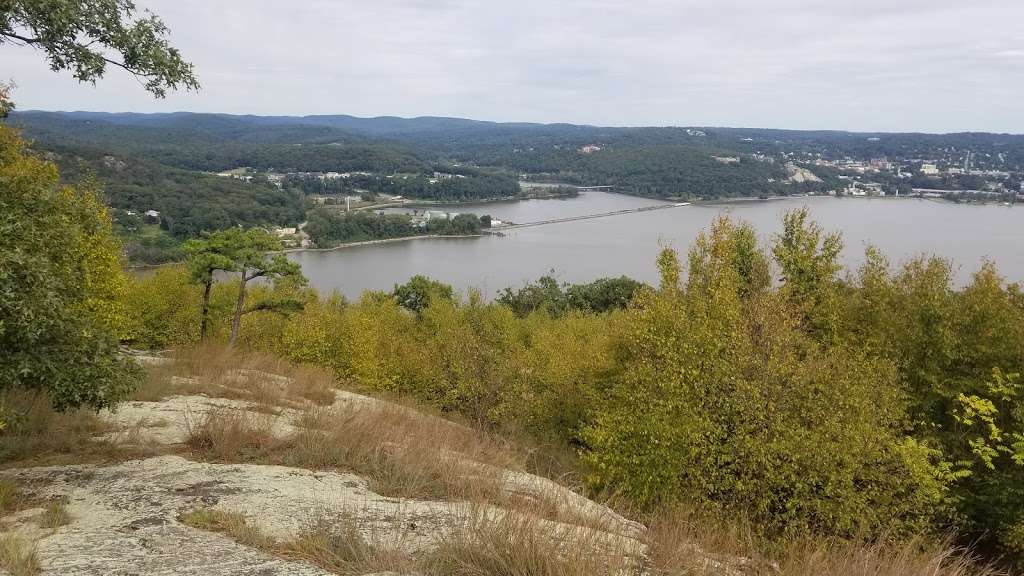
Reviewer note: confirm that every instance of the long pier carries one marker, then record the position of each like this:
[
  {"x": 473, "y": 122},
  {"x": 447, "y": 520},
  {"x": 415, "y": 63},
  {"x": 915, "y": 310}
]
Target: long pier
[{"x": 593, "y": 216}]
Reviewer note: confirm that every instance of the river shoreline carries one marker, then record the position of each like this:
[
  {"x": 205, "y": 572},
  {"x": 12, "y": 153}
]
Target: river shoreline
[
  {"x": 141, "y": 268},
  {"x": 381, "y": 241},
  {"x": 747, "y": 200}
]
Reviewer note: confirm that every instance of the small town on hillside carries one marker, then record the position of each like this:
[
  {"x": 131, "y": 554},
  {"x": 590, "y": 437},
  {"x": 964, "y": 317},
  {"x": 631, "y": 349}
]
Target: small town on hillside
[{"x": 958, "y": 176}]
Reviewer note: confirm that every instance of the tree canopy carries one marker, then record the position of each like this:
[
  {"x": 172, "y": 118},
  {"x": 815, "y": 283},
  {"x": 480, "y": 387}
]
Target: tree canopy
[
  {"x": 86, "y": 36},
  {"x": 61, "y": 286}
]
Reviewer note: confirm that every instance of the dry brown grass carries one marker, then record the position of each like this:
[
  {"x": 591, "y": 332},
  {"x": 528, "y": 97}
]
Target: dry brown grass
[
  {"x": 401, "y": 453},
  {"x": 406, "y": 453},
  {"x": 404, "y": 450},
  {"x": 39, "y": 435},
  {"x": 338, "y": 546},
  {"x": 678, "y": 536},
  {"x": 230, "y": 523},
  {"x": 228, "y": 435},
  {"x": 335, "y": 544},
  {"x": 268, "y": 381},
  {"x": 915, "y": 557},
  {"x": 507, "y": 545},
  {"x": 682, "y": 541},
  {"x": 18, "y": 556},
  {"x": 9, "y": 496},
  {"x": 54, "y": 516},
  {"x": 519, "y": 545},
  {"x": 14, "y": 499}
]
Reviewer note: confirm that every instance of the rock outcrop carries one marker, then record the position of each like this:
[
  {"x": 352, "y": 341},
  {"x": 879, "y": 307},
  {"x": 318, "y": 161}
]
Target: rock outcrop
[{"x": 126, "y": 517}]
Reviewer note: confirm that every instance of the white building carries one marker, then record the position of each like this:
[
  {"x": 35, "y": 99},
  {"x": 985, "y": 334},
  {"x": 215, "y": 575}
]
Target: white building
[{"x": 929, "y": 169}]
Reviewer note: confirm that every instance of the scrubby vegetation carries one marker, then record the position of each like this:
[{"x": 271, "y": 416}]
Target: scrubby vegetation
[
  {"x": 506, "y": 545},
  {"x": 846, "y": 422},
  {"x": 18, "y": 556},
  {"x": 882, "y": 404},
  {"x": 61, "y": 286}
]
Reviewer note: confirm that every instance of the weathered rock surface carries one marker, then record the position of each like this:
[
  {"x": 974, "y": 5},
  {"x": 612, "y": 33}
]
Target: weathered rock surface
[
  {"x": 169, "y": 421},
  {"x": 124, "y": 521},
  {"x": 125, "y": 517}
]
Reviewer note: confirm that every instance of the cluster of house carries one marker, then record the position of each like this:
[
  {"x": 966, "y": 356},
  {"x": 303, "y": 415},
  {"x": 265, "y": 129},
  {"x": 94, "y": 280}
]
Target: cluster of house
[
  {"x": 858, "y": 188},
  {"x": 277, "y": 178},
  {"x": 928, "y": 167},
  {"x": 151, "y": 216},
  {"x": 438, "y": 176},
  {"x": 857, "y": 166},
  {"x": 237, "y": 174},
  {"x": 421, "y": 219},
  {"x": 293, "y": 237}
]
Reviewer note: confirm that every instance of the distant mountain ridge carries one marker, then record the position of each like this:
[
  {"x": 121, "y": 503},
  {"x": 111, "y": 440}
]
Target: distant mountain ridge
[
  {"x": 662, "y": 162},
  {"x": 482, "y": 141},
  {"x": 391, "y": 125}
]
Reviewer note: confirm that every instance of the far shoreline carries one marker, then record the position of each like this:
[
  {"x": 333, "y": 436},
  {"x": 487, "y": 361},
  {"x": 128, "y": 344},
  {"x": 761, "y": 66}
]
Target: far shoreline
[
  {"x": 380, "y": 241},
  {"x": 143, "y": 268}
]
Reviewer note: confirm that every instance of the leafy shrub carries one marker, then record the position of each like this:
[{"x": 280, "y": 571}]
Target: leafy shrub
[
  {"x": 726, "y": 401},
  {"x": 876, "y": 405},
  {"x": 61, "y": 286}
]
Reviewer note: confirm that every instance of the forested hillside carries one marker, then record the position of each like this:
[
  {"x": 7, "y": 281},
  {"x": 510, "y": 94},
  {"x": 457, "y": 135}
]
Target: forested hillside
[
  {"x": 166, "y": 162},
  {"x": 650, "y": 161},
  {"x": 662, "y": 162}
]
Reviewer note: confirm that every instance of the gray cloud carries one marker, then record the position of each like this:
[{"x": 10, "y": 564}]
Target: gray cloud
[{"x": 931, "y": 65}]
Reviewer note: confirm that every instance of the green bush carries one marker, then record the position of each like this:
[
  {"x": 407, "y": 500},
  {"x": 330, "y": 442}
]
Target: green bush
[
  {"x": 877, "y": 405},
  {"x": 61, "y": 286},
  {"x": 723, "y": 399}
]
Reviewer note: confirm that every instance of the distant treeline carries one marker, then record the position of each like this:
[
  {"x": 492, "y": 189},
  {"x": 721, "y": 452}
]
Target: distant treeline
[
  {"x": 327, "y": 229},
  {"x": 467, "y": 186},
  {"x": 660, "y": 171}
]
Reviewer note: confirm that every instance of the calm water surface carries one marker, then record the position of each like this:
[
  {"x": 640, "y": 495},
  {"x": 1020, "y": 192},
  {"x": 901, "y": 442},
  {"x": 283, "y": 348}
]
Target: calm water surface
[{"x": 628, "y": 244}]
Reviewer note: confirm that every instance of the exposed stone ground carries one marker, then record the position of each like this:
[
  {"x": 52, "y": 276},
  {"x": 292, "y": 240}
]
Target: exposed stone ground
[{"x": 125, "y": 516}]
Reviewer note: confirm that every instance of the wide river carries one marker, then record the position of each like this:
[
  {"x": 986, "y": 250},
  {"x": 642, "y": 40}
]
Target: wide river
[{"x": 627, "y": 244}]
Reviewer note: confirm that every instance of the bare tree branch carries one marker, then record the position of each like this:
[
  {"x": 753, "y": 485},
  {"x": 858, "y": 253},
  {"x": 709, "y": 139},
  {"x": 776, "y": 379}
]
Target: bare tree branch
[{"x": 21, "y": 38}]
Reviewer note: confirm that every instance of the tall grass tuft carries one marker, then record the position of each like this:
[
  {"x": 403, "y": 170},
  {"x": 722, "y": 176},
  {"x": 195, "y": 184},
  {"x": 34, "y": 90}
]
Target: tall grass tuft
[
  {"x": 36, "y": 434},
  {"x": 520, "y": 545},
  {"x": 402, "y": 453},
  {"x": 18, "y": 556},
  {"x": 265, "y": 379}
]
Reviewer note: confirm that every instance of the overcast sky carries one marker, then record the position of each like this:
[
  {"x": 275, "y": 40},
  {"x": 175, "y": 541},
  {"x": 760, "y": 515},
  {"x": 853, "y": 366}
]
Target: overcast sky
[{"x": 889, "y": 65}]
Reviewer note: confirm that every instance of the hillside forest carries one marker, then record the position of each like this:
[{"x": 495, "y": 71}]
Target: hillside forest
[{"x": 272, "y": 169}]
